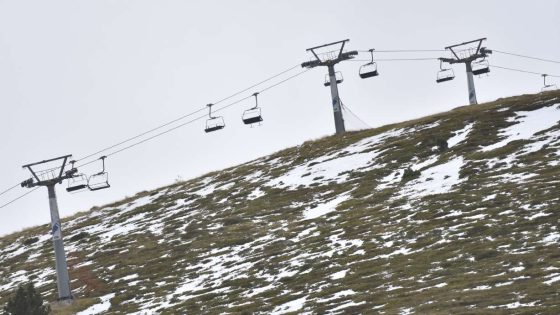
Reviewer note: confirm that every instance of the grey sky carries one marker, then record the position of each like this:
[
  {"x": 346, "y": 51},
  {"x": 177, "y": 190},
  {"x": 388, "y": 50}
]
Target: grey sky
[{"x": 77, "y": 76}]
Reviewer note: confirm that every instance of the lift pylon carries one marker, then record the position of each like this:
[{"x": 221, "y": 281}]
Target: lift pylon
[
  {"x": 469, "y": 53},
  {"x": 49, "y": 178},
  {"x": 329, "y": 59}
]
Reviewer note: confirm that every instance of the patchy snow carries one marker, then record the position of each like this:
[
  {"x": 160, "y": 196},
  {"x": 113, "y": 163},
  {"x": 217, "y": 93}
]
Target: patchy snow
[
  {"x": 325, "y": 169},
  {"x": 552, "y": 239},
  {"x": 260, "y": 290},
  {"x": 126, "y": 278},
  {"x": 291, "y": 306},
  {"x": 338, "y": 295},
  {"x": 256, "y": 193},
  {"x": 529, "y": 123},
  {"x": 514, "y": 305},
  {"x": 324, "y": 208},
  {"x": 357, "y": 157},
  {"x": 406, "y": 311},
  {"x": 460, "y": 135},
  {"x": 555, "y": 277},
  {"x": 100, "y": 307},
  {"x": 339, "y": 275},
  {"x": 437, "y": 179},
  {"x": 346, "y": 305}
]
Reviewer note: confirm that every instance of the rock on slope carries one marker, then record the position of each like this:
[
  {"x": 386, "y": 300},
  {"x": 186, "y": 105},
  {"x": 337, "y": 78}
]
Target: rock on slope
[{"x": 334, "y": 226}]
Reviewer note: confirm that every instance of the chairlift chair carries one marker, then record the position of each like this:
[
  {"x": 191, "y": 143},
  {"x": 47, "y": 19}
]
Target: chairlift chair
[
  {"x": 444, "y": 75},
  {"x": 338, "y": 76},
  {"x": 213, "y": 123},
  {"x": 252, "y": 115},
  {"x": 547, "y": 87},
  {"x": 77, "y": 181},
  {"x": 99, "y": 180},
  {"x": 369, "y": 69},
  {"x": 480, "y": 67}
]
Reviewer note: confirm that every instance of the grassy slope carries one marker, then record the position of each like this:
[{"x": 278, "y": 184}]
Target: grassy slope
[{"x": 476, "y": 259}]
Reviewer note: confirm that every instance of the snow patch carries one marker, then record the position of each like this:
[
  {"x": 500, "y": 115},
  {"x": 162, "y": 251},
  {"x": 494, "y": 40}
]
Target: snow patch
[
  {"x": 529, "y": 123},
  {"x": 100, "y": 307}
]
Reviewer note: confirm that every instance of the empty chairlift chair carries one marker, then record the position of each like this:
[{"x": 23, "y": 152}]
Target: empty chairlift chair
[
  {"x": 369, "y": 69},
  {"x": 480, "y": 67},
  {"x": 78, "y": 181},
  {"x": 213, "y": 123},
  {"x": 99, "y": 180},
  {"x": 252, "y": 115},
  {"x": 444, "y": 75},
  {"x": 547, "y": 87},
  {"x": 338, "y": 76}
]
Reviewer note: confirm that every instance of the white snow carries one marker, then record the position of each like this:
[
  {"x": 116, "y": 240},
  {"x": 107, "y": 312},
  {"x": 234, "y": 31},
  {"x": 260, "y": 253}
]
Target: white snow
[
  {"x": 346, "y": 305},
  {"x": 291, "y": 306},
  {"x": 324, "y": 208},
  {"x": 555, "y": 277},
  {"x": 338, "y": 295},
  {"x": 256, "y": 193},
  {"x": 460, "y": 136},
  {"x": 552, "y": 238},
  {"x": 438, "y": 179},
  {"x": 339, "y": 275},
  {"x": 529, "y": 123},
  {"x": 100, "y": 307},
  {"x": 129, "y": 277},
  {"x": 335, "y": 165},
  {"x": 513, "y": 305},
  {"x": 326, "y": 168}
]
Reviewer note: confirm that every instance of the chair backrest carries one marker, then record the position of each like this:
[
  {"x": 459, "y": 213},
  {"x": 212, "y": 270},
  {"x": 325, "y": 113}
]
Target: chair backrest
[{"x": 98, "y": 181}]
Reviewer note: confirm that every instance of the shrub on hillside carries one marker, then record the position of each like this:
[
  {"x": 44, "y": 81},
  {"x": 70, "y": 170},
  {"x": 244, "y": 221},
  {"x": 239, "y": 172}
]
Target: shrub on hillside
[
  {"x": 409, "y": 174},
  {"x": 26, "y": 301}
]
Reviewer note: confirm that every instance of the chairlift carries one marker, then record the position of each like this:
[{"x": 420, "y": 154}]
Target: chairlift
[
  {"x": 547, "y": 87},
  {"x": 369, "y": 69},
  {"x": 338, "y": 76},
  {"x": 99, "y": 180},
  {"x": 480, "y": 67},
  {"x": 77, "y": 181},
  {"x": 444, "y": 75},
  {"x": 252, "y": 115},
  {"x": 213, "y": 123}
]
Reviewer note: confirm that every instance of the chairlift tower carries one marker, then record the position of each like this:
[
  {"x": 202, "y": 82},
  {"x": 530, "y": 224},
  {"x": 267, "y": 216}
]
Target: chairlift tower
[
  {"x": 468, "y": 56},
  {"x": 330, "y": 59},
  {"x": 49, "y": 178}
]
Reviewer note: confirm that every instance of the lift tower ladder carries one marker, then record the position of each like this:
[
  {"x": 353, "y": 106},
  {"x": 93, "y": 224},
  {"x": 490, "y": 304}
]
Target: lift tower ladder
[
  {"x": 329, "y": 59},
  {"x": 49, "y": 178},
  {"x": 468, "y": 56}
]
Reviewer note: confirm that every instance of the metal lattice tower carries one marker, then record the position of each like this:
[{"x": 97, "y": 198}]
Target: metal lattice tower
[
  {"x": 330, "y": 59},
  {"x": 49, "y": 178},
  {"x": 468, "y": 56}
]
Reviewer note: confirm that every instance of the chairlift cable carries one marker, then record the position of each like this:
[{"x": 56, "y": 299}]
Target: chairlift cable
[
  {"x": 186, "y": 115},
  {"x": 9, "y": 189},
  {"x": 18, "y": 198},
  {"x": 524, "y": 71},
  {"x": 396, "y": 59},
  {"x": 524, "y": 56},
  {"x": 196, "y": 119},
  {"x": 177, "y": 119},
  {"x": 167, "y": 124},
  {"x": 166, "y": 131},
  {"x": 404, "y": 50}
]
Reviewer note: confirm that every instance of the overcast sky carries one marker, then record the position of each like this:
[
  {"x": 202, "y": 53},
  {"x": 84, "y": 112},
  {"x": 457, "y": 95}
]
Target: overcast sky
[{"x": 78, "y": 76}]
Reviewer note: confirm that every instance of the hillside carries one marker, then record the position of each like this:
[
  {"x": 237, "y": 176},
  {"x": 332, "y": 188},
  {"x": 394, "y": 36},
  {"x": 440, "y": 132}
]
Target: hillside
[{"x": 456, "y": 213}]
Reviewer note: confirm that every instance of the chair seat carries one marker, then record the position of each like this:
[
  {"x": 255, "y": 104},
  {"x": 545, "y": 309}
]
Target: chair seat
[
  {"x": 252, "y": 120},
  {"x": 370, "y": 74},
  {"x": 75, "y": 188},
  {"x": 214, "y": 128}
]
